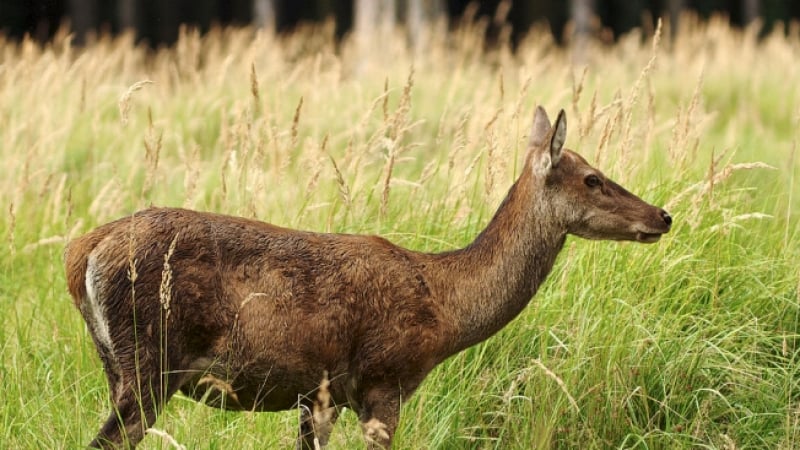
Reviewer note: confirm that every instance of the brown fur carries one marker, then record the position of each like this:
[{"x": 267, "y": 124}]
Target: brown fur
[{"x": 256, "y": 315}]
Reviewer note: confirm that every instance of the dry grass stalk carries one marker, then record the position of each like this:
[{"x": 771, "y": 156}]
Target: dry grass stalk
[
  {"x": 229, "y": 157},
  {"x": 296, "y": 122},
  {"x": 54, "y": 213},
  {"x": 577, "y": 89},
  {"x": 167, "y": 437},
  {"x": 44, "y": 242},
  {"x": 701, "y": 420},
  {"x": 608, "y": 129},
  {"x": 374, "y": 431},
  {"x": 385, "y": 97},
  {"x": 569, "y": 261},
  {"x": 70, "y": 207},
  {"x": 323, "y": 410},
  {"x": 125, "y": 99},
  {"x": 559, "y": 382},
  {"x": 221, "y": 386},
  {"x": 492, "y": 162},
  {"x": 511, "y": 392},
  {"x": 591, "y": 117},
  {"x": 733, "y": 222},
  {"x": 353, "y": 160},
  {"x": 191, "y": 162},
  {"x": 152, "y": 146},
  {"x": 704, "y": 190},
  {"x": 102, "y": 203},
  {"x": 791, "y": 195},
  {"x": 387, "y": 176},
  {"x": 400, "y": 117},
  {"x": 522, "y": 99},
  {"x": 82, "y": 102},
  {"x": 315, "y": 167},
  {"x": 491, "y": 168},
  {"x": 637, "y": 86},
  {"x": 688, "y": 157},
  {"x": 430, "y": 169},
  {"x": 254, "y": 87},
  {"x": 695, "y": 100},
  {"x": 681, "y": 132},
  {"x": 165, "y": 290},
  {"x": 712, "y": 167},
  {"x": 459, "y": 142},
  {"x": 344, "y": 189},
  {"x": 12, "y": 225},
  {"x": 797, "y": 289},
  {"x": 650, "y": 117}
]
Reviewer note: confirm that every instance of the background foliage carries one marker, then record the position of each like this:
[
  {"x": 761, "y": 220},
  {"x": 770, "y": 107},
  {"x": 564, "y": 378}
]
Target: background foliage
[{"x": 689, "y": 343}]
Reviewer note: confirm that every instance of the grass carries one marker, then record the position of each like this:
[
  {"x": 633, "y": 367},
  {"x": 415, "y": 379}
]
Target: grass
[{"x": 690, "y": 343}]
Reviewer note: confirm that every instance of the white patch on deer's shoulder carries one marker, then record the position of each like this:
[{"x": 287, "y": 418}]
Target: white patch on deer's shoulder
[{"x": 97, "y": 312}]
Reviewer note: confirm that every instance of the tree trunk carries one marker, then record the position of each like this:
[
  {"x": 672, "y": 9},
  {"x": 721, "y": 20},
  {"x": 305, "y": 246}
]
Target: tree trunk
[
  {"x": 374, "y": 16},
  {"x": 421, "y": 18},
  {"x": 167, "y": 22},
  {"x": 675, "y": 9},
  {"x": 374, "y": 24},
  {"x": 264, "y": 13},
  {"x": 582, "y": 13},
  {"x": 128, "y": 19},
  {"x": 751, "y": 10},
  {"x": 83, "y": 14}
]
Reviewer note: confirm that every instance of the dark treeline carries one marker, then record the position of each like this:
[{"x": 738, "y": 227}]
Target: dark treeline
[{"x": 157, "y": 22}]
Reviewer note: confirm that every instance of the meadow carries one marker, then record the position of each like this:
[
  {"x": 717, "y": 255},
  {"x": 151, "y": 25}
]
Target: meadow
[{"x": 693, "y": 342}]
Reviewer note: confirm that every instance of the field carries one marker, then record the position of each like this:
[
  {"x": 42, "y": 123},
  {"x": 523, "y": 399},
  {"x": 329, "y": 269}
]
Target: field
[{"x": 693, "y": 342}]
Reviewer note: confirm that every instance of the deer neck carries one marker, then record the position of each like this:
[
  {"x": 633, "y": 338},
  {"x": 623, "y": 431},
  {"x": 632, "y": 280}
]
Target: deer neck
[{"x": 491, "y": 280}]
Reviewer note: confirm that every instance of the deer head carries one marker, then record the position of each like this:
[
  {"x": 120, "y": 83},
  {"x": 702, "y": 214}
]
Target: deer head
[{"x": 588, "y": 203}]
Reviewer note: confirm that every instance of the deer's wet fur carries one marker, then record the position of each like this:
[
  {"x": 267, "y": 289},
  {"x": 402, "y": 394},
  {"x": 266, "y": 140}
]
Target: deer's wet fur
[{"x": 246, "y": 315}]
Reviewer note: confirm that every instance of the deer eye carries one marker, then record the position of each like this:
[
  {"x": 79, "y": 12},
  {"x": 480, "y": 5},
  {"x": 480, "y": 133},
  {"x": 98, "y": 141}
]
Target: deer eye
[{"x": 592, "y": 181}]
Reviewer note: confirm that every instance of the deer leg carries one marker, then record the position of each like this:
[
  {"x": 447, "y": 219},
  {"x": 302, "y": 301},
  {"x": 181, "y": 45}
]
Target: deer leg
[
  {"x": 135, "y": 404},
  {"x": 315, "y": 427},
  {"x": 126, "y": 423},
  {"x": 379, "y": 414}
]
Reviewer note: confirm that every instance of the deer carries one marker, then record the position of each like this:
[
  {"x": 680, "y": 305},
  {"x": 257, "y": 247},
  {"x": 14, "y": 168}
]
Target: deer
[{"x": 245, "y": 315}]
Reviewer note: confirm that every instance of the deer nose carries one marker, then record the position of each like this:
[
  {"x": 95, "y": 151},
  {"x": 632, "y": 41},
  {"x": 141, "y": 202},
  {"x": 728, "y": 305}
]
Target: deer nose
[{"x": 667, "y": 218}]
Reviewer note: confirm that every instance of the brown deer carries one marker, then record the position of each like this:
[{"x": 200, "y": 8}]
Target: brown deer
[{"x": 246, "y": 315}]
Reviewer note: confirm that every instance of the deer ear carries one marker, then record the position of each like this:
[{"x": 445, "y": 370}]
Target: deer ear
[
  {"x": 540, "y": 130},
  {"x": 558, "y": 138}
]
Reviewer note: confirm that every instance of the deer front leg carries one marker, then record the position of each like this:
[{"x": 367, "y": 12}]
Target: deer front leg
[
  {"x": 380, "y": 411},
  {"x": 318, "y": 419},
  {"x": 316, "y": 427}
]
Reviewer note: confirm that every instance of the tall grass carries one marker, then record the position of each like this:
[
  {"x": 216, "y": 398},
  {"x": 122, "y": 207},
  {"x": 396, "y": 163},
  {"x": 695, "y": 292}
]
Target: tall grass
[{"x": 689, "y": 343}]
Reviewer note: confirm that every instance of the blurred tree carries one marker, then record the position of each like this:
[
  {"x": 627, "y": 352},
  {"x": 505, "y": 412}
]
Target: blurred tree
[
  {"x": 751, "y": 10},
  {"x": 421, "y": 16},
  {"x": 158, "y": 21},
  {"x": 675, "y": 8},
  {"x": 83, "y": 14},
  {"x": 264, "y": 13},
  {"x": 582, "y": 14},
  {"x": 374, "y": 16},
  {"x": 128, "y": 15}
]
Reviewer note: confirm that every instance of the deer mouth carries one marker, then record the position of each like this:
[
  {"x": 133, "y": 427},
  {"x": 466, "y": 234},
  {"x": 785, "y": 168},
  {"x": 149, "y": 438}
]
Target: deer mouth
[{"x": 647, "y": 238}]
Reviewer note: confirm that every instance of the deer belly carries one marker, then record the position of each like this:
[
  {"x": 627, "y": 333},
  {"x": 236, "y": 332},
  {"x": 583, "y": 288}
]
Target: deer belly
[
  {"x": 244, "y": 393},
  {"x": 256, "y": 388}
]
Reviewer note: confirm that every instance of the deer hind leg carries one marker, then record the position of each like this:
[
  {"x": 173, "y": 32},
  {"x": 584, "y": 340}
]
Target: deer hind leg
[
  {"x": 379, "y": 413},
  {"x": 137, "y": 400},
  {"x": 133, "y": 410}
]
